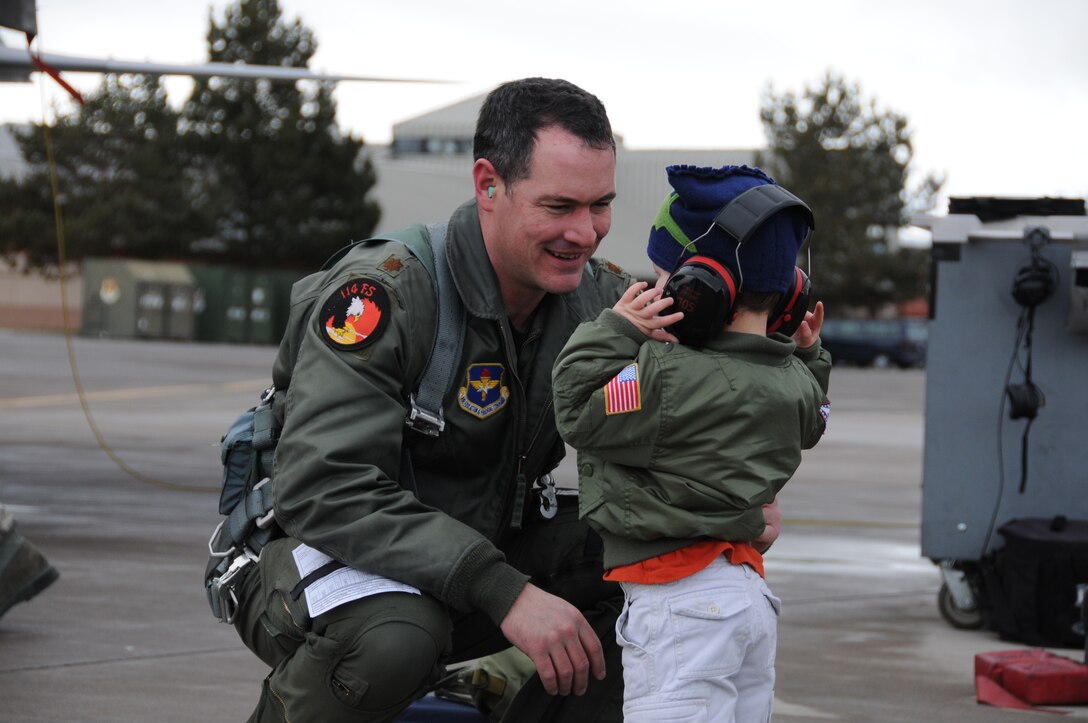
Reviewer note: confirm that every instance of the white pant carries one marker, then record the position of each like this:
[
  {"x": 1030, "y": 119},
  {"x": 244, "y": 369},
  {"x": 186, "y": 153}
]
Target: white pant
[{"x": 699, "y": 649}]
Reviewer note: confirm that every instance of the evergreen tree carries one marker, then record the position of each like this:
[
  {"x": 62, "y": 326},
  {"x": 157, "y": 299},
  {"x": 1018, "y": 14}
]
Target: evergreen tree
[
  {"x": 278, "y": 183},
  {"x": 849, "y": 160},
  {"x": 119, "y": 175}
]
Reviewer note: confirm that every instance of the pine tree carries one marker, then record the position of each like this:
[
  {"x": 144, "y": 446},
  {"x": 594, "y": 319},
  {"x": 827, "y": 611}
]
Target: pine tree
[
  {"x": 120, "y": 180},
  {"x": 279, "y": 184},
  {"x": 849, "y": 160}
]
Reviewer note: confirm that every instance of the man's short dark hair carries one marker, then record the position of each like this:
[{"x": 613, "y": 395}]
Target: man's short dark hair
[{"x": 513, "y": 113}]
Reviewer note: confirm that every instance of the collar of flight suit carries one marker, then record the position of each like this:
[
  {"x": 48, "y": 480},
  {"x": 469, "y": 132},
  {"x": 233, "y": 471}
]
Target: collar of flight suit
[{"x": 470, "y": 265}]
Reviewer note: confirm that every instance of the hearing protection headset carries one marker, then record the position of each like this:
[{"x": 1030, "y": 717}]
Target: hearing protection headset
[
  {"x": 706, "y": 291},
  {"x": 1035, "y": 281}
]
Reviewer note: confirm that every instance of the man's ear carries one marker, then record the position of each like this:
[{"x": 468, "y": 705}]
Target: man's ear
[{"x": 486, "y": 183}]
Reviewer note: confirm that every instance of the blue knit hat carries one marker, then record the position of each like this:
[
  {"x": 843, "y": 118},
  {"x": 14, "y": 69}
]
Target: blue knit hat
[{"x": 767, "y": 258}]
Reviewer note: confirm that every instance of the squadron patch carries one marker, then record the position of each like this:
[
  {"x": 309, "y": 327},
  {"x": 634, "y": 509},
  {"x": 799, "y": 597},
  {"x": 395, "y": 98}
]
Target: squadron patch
[
  {"x": 354, "y": 314},
  {"x": 484, "y": 392}
]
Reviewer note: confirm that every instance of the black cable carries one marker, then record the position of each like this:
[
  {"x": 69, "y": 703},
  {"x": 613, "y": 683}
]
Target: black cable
[
  {"x": 1021, "y": 328},
  {"x": 1033, "y": 284},
  {"x": 1029, "y": 385},
  {"x": 1024, "y": 456}
]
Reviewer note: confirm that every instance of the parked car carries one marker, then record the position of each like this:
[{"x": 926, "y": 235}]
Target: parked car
[{"x": 876, "y": 342}]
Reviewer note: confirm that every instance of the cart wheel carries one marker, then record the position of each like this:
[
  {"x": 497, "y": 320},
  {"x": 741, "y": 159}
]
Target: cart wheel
[{"x": 960, "y": 618}]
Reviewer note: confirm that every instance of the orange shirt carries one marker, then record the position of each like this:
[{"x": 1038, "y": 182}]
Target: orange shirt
[{"x": 686, "y": 561}]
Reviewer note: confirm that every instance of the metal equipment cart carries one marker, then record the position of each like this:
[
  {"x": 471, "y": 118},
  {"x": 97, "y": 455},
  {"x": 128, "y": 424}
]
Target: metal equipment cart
[{"x": 1006, "y": 415}]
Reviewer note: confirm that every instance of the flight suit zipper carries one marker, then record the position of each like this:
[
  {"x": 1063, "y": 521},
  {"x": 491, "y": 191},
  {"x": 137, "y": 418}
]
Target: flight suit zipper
[
  {"x": 515, "y": 502},
  {"x": 515, "y": 497},
  {"x": 518, "y": 512}
]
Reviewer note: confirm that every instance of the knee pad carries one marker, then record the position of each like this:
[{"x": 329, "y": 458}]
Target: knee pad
[{"x": 386, "y": 666}]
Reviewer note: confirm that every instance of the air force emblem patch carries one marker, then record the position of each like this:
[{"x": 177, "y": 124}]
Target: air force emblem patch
[
  {"x": 354, "y": 314},
  {"x": 484, "y": 392}
]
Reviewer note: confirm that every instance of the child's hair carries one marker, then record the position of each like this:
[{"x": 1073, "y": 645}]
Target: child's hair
[{"x": 758, "y": 300}]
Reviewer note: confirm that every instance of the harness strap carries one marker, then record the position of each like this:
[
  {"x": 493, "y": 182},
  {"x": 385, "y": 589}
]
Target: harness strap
[
  {"x": 327, "y": 569},
  {"x": 265, "y": 432},
  {"x": 265, "y": 435},
  {"x": 248, "y": 513},
  {"x": 425, "y": 406}
]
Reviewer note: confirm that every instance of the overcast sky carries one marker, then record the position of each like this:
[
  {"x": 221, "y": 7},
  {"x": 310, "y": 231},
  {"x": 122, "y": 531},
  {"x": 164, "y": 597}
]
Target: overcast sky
[{"x": 996, "y": 91}]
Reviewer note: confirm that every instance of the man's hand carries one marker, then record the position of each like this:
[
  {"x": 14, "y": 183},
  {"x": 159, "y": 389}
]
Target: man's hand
[
  {"x": 641, "y": 304},
  {"x": 557, "y": 638},
  {"x": 773, "y": 517},
  {"x": 809, "y": 332}
]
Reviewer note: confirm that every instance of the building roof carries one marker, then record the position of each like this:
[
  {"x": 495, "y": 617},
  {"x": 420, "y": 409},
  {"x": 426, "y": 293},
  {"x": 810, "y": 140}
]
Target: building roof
[{"x": 451, "y": 121}]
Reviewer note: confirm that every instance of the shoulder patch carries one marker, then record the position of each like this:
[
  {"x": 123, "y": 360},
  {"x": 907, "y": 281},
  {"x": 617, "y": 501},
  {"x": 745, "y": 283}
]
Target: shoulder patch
[
  {"x": 623, "y": 394},
  {"x": 613, "y": 268},
  {"x": 354, "y": 314}
]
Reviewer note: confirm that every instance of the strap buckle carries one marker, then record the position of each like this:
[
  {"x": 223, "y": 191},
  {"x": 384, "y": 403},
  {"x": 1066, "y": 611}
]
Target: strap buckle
[
  {"x": 267, "y": 394},
  {"x": 422, "y": 420},
  {"x": 222, "y": 590},
  {"x": 211, "y": 542},
  {"x": 268, "y": 517}
]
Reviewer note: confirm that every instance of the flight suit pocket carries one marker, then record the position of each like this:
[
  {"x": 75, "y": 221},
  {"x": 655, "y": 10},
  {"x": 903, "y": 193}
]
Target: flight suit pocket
[
  {"x": 590, "y": 490},
  {"x": 673, "y": 711}
]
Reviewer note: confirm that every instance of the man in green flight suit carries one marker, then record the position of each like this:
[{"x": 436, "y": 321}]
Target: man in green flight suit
[{"x": 445, "y": 532}]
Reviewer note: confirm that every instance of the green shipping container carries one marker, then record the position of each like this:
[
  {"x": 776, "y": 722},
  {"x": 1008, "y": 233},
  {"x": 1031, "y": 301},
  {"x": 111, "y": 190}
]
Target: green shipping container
[{"x": 138, "y": 299}]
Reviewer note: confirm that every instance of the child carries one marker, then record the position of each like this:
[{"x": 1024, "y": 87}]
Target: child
[{"x": 679, "y": 448}]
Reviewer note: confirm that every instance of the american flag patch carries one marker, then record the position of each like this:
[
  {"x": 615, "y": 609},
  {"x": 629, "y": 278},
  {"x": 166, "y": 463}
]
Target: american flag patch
[
  {"x": 825, "y": 411},
  {"x": 622, "y": 394}
]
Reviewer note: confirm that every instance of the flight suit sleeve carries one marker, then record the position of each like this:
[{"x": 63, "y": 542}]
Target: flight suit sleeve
[
  {"x": 612, "y": 422},
  {"x": 338, "y": 460}
]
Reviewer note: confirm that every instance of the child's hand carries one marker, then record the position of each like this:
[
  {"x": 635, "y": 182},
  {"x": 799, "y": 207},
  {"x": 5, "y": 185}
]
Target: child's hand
[
  {"x": 809, "y": 332},
  {"x": 641, "y": 305},
  {"x": 773, "y": 518}
]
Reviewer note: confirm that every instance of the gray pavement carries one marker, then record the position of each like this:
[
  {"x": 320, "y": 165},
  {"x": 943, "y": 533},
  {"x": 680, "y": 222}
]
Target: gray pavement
[{"x": 123, "y": 504}]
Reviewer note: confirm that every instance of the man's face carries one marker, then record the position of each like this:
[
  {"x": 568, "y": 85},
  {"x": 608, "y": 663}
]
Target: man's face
[{"x": 546, "y": 226}]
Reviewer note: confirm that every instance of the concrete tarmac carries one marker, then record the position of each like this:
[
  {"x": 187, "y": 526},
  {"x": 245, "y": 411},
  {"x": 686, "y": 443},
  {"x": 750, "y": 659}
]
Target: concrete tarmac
[{"x": 122, "y": 500}]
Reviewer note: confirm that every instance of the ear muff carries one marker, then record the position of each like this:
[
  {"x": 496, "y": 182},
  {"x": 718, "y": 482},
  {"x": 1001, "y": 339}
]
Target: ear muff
[
  {"x": 706, "y": 292},
  {"x": 790, "y": 311},
  {"x": 1034, "y": 282}
]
